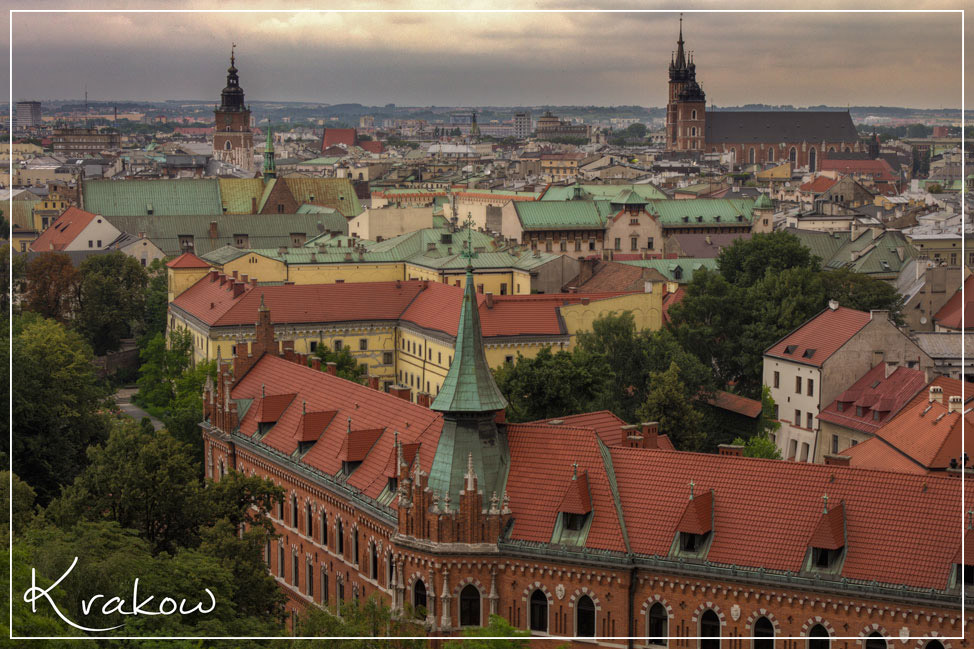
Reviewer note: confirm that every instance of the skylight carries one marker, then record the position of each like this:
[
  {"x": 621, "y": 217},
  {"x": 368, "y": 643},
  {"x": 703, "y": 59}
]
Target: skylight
[{"x": 790, "y": 349}]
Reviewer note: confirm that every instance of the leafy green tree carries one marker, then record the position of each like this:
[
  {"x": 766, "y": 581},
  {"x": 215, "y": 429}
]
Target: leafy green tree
[
  {"x": 498, "y": 627},
  {"x": 746, "y": 261},
  {"x": 548, "y": 385},
  {"x": 53, "y": 283},
  {"x": 156, "y": 301},
  {"x": 636, "y": 131},
  {"x": 112, "y": 299},
  {"x": 615, "y": 351},
  {"x": 347, "y": 367},
  {"x": 759, "y": 446},
  {"x": 369, "y": 620},
  {"x": 162, "y": 365},
  {"x": 22, "y": 502},
  {"x": 667, "y": 404},
  {"x": 862, "y": 292},
  {"x": 57, "y": 404}
]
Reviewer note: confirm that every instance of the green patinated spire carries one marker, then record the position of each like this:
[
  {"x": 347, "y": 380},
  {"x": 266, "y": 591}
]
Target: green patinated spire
[
  {"x": 469, "y": 385},
  {"x": 469, "y": 400},
  {"x": 270, "y": 167}
]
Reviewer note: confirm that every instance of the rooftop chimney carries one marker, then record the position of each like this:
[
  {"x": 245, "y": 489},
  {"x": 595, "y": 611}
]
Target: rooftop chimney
[
  {"x": 955, "y": 404},
  {"x": 650, "y": 433},
  {"x": 238, "y": 289},
  {"x": 213, "y": 230},
  {"x": 332, "y": 368},
  {"x": 833, "y": 304},
  {"x": 401, "y": 391},
  {"x": 490, "y": 300},
  {"x": 936, "y": 394},
  {"x": 316, "y": 363},
  {"x": 736, "y": 450},
  {"x": 837, "y": 460},
  {"x": 423, "y": 399}
]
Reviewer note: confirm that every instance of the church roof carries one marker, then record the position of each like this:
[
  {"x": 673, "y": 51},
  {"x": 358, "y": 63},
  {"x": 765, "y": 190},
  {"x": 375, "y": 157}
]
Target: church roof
[{"x": 743, "y": 127}]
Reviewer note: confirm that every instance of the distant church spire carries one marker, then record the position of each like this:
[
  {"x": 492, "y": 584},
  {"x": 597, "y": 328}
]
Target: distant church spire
[{"x": 681, "y": 61}]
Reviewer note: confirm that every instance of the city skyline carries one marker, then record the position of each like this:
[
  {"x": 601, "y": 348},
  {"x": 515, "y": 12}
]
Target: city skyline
[{"x": 495, "y": 59}]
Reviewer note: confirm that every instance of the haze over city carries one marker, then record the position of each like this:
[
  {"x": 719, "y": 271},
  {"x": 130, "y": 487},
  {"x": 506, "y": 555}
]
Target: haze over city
[{"x": 801, "y": 59}]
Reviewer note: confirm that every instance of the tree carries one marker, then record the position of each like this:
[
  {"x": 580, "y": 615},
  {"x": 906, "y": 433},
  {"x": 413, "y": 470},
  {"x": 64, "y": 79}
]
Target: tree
[
  {"x": 52, "y": 286},
  {"x": 862, "y": 292},
  {"x": 615, "y": 351},
  {"x": 371, "y": 620},
  {"x": 482, "y": 637},
  {"x": 746, "y": 261},
  {"x": 935, "y": 188},
  {"x": 57, "y": 404},
  {"x": 636, "y": 131},
  {"x": 667, "y": 404},
  {"x": 548, "y": 385},
  {"x": 346, "y": 366},
  {"x": 162, "y": 365},
  {"x": 156, "y": 301},
  {"x": 759, "y": 446},
  {"x": 112, "y": 299}
]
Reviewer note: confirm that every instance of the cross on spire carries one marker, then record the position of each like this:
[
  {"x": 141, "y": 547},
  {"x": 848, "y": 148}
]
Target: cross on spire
[
  {"x": 233, "y": 46},
  {"x": 469, "y": 254}
]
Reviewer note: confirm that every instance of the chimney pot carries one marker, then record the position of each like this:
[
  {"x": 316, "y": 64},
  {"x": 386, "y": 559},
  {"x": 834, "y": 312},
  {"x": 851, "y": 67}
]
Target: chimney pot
[
  {"x": 490, "y": 300},
  {"x": 955, "y": 404},
  {"x": 730, "y": 449},
  {"x": 238, "y": 289},
  {"x": 316, "y": 363},
  {"x": 936, "y": 394},
  {"x": 332, "y": 368},
  {"x": 837, "y": 460},
  {"x": 833, "y": 304}
]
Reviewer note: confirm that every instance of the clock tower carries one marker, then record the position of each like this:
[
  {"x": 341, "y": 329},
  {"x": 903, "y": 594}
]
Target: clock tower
[{"x": 233, "y": 140}]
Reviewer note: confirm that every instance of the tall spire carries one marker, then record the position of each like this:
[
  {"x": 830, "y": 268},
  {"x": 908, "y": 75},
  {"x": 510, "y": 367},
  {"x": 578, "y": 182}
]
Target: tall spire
[
  {"x": 270, "y": 167},
  {"x": 469, "y": 385},
  {"x": 681, "y": 62},
  {"x": 232, "y": 97}
]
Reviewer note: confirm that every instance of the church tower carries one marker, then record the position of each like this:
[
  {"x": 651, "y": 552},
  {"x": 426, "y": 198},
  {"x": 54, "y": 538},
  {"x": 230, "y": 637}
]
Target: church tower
[
  {"x": 686, "y": 109},
  {"x": 233, "y": 141}
]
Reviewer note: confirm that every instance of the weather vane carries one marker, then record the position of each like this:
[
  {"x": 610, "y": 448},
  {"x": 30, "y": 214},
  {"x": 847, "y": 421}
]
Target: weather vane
[
  {"x": 233, "y": 46},
  {"x": 469, "y": 254}
]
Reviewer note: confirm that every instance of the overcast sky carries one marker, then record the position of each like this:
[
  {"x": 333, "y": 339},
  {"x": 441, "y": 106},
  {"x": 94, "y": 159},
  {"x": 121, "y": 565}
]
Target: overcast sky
[{"x": 448, "y": 59}]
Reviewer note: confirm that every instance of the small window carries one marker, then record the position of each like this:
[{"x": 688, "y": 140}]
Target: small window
[
  {"x": 363, "y": 344},
  {"x": 798, "y": 417},
  {"x": 790, "y": 349},
  {"x": 313, "y": 346},
  {"x": 618, "y": 245},
  {"x": 634, "y": 243},
  {"x": 811, "y": 387},
  {"x": 338, "y": 345},
  {"x": 859, "y": 411},
  {"x": 387, "y": 358},
  {"x": 649, "y": 243},
  {"x": 808, "y": 420},
  {"x": 798, "y": 385},
  {"x": 777, "y": 378},
  {"x": 324, "y": 529},
  {"x": 835, "y": 444},
  {"x": 91, "y": 244},
  {"x": 575, "y": 522}
]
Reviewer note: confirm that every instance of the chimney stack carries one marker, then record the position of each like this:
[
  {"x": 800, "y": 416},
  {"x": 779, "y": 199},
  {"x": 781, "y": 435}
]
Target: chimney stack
[
  {"x": 423, "y": 399},
  {"x": 401, "y": 391},
  {"x": 490, "y": 300},
  {"x": 837, "y": 460},
  {"x": 936, "y": 394},
  {"x": 316, "y": 363},
  {"x": 374, "y": 382},
  {"x": 213, "y": 230},
  {"x": 955, "y": 404},
  {"x": 833, "y": 304},
  {"x": 650, "y": 431},
  {"x": 332, "y": 368},
  {"x": 238, "y": 289},
  {"x": 736, "y": 450}
]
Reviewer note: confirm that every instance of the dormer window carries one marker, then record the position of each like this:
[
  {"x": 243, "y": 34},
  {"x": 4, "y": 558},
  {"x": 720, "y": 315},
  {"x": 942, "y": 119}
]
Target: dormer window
[
  {"x": 826, "y": 546},
  {"x": 963, "y": 574},
  {"x": 823, "y": 558},
  {"x": 574, "y": 522},
  {"x": 692, "y": 543},
  {"x": 790, "y": 349}
]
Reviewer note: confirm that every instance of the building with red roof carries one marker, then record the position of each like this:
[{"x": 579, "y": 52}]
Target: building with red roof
[
  {"x": 574, "y": 527},
  {"x": 339, "y": 136},
  {"x": 925, "y": 437},
  {"x": 807, "y": 369},
  {"x": 958, "y": 313},
  {"x": 862, "y": 409},
  {"x": 403, "y": 331},
  {"x": 874, "y": 174},
  {"x": 76, "y": 229}
]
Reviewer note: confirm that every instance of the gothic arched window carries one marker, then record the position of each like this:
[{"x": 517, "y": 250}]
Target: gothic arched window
[
  {"x": 793, "y": 155},
  {"x": 469, "y": 606},
  {"x": 818, "y": 637},
  {"x": 811, "y": 159},
  {"x": 419, "y": 598},
  {"x": 763, "y": 634},
  {"x": 770, "y": 154},
  {"x": 658, "y": 622},
  {"x": 750, "y": 156},
  {"x": 585, "y": 617},
  {"x": 227, "y": 145},
  {"x": 709, "y": 630},
  {"x": 875, "y": 641},
  {"x": 539, "y": 611}
]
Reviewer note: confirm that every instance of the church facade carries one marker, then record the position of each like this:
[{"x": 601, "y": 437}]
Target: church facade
[
  {"x": 803, "y": 138},
  {"x": 581, "y": 526},
  {"x": 233, "y": 139}
]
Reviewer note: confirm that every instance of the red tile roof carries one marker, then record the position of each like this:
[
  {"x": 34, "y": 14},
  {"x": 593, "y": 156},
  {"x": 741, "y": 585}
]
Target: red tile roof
[
  {"x": 813, "y": 342},
  {"x": 949, "y": 315},
  {"x": 819, "y": 185},
  {"x": 697, "y": 515},
  {"x": 893, "y": 391},
  {"x": 829, "y": 534},
  {"x": 372, "y": 146},
  {"x": 877, "y": 169},
  {"x": 358, "y": 443},
  {"x": 604, "y": 422},
  {"x": 63, "y": 231},
  {"x": 187, "y": 260},
  {"x": 313, "y": 424},
  {"x": 335, "y": 136},
  {"x": 669, "y": 300},
  {"x": 874, "y": 453},
  {"x": 270, "y": 408},
  {"x": 735, "y": 403},
  {"x": 577, "y": 499}
]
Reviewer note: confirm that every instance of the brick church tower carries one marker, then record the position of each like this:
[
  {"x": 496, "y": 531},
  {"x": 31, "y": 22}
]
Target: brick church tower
[
  {"x": 233, "y": 141},
  {"x": 686, "y": 110}
]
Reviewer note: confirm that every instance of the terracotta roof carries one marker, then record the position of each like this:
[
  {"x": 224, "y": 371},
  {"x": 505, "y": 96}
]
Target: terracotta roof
[
  {"x": 372, "y": 146},
  {"x": 735, "y": 403},
  {"x": 335, "y": 136},
  {"x": 877, "y": 169},
  {"x": 697, "y": 515},
  {"x": 358, "y": 443},
  {"x": 813, "y": 342},
  {"x": 949, "y": 315},
  {"x": 829, "y": 534},
  {"x": 576, "y": 499},
  {"x": 612, "y": 276},
  {"x": 408, "y": 455},
  {"x": 894, "y": 392},
  {"x": 874, "y": 453},
  {"x": 313, "y": 424},
  {"x": 670, "y": 299},
  {"x": 63, "y": 231},
  {"x": 707, "y": 246},
  {"x": 187, "y": 260},
  {"x": 271, "y": 407},
  {"x": 604, "y": 422},
  {"x": 818, "y": 185}
]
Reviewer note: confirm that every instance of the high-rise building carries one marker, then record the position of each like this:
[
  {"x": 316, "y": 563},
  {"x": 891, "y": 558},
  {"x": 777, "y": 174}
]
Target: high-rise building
[
  {"x": 27, "y": 114},
  {"x": 522, "y": 124},
  {"x": 233, "y": 140}
]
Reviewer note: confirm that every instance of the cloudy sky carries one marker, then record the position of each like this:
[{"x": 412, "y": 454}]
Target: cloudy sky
[{"x": 505, "y": 58}]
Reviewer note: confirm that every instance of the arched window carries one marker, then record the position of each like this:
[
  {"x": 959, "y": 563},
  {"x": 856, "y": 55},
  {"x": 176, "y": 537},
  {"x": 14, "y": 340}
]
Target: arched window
[
  {"x": 709, "y": 630},
  {"x": 294, "y": 512},
  {"x": 811, "y": 159},
  {"x": 340, "y": 533},
  {"x": 693, "y": 114},
  {"x": 793, "y": 155},
  {"x": 374, "y": 565},
  {"x": 733, "y": 153},
  {"x": 935, "y": 644},
  {"x": 585, "y": 617},
  {"x": 848, "y": 150},
  {"x": 818, "y": 637},
  {"x": 227, "y": 145},
  {"x": 658, "y": 621},
  {"x": 419, "y": 598},
  {"x": 770, "y": 154},
  {"x": 693, "y": 131},
  {"x": 539, "y": 611},
  {"x": 750, "y": 156},
  {"x": 324, "y": 528},
  {"x": 763, "y": 634},
  {"x": 875, "y": 641},
  {"x": 309, "y": 519},
  {"x": 469, "y": 606}
]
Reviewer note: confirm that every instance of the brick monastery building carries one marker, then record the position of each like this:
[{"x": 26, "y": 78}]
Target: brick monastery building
[
  {"x": 582, "y": 526},
  {"x": 804, "y": 138}
]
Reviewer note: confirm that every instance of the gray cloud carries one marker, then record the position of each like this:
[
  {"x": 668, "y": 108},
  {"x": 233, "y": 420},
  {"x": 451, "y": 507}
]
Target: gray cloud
[{"x": 908, "y": 59}]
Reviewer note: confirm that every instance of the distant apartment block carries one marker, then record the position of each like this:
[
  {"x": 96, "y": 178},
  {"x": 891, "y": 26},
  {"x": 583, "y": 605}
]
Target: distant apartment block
[
  {"x": 522, "y": 125},
  {"x": 83, "y": 142},
  {"x": 27, "y": 114}
]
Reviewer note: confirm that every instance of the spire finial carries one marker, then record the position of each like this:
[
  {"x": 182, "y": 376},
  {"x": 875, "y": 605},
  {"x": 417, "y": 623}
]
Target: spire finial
[
  {"x": 348, "y": 426},
  {"x": 469, "y": 254},
  {"x": 574, "y": 470},
  {"x": 262, "y": 307},
  {"x": 233, "y": 46},
  {"x": 692, "y": 485},
  {"x": 825, "y": 503}
]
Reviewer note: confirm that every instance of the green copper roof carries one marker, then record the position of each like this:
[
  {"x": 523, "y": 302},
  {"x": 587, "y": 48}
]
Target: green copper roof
[
  {"x": 702, "y": 211},
  {"x": 469, "y": 385},
  {"x": 628, "y": 197},
  {"x": 561, "y": 215},
  {"x": 675, "y": 270},
  {"x": 600, "y": 192},
  {"x": 159, "y": 197},
  {"x": 763, "y": 203}
]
